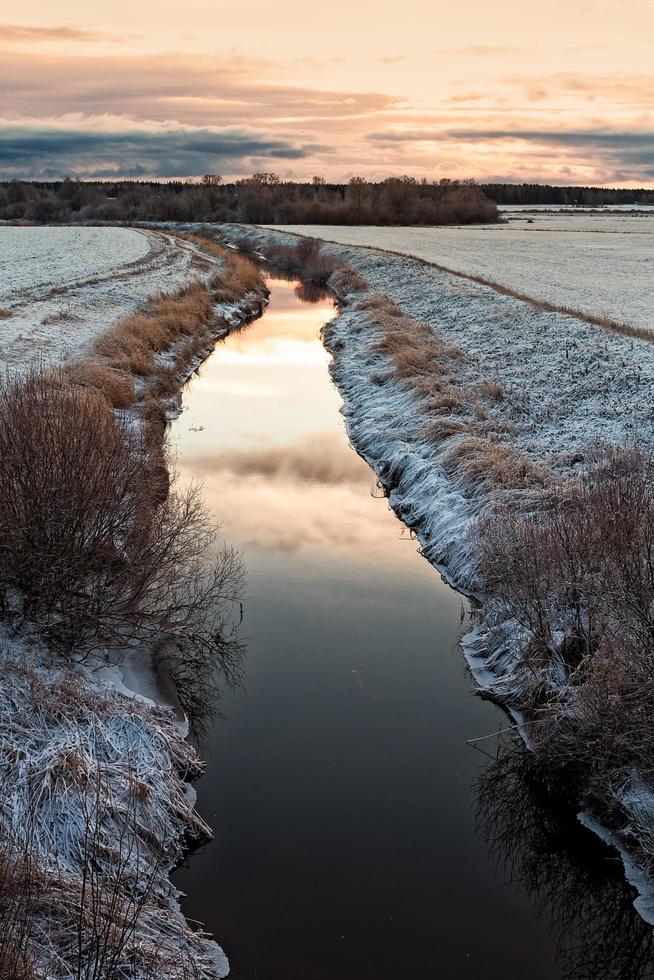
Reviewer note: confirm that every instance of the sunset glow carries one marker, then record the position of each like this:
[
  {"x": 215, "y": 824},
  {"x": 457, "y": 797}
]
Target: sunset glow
[{"x": 507, "y": 92}]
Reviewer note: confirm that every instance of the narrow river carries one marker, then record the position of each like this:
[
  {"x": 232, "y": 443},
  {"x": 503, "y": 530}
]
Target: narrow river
[{"x": 358, "y": 835}]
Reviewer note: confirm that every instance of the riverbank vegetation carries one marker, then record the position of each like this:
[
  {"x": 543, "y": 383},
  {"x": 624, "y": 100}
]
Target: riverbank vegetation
[
  {"x": 145, "y": 357},
  {"x": 558, "y": 548},
  {"x": 576, "y": 578},
  {"x": 262, "y": 199},
  {"x": 114, "y": 559},
  {"x": 101, "y": 553}
]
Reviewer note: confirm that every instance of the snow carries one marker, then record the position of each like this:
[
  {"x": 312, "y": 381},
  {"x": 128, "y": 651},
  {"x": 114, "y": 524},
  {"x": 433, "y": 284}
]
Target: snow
[
  {"x": 73, "y": 748},
  {"x": 600, "y": 264},
  {"x": 566, "y": 384},
  {"x": 118, "y": 719},
  {"x": 62, "y": 286}
]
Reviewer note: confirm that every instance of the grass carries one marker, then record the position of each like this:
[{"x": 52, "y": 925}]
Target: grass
[
  {"x": 181, "y": 325},
  {"x": 484, "y": 461},
  {"x": 453, "y": 410},
  {"x": 131, "y": 344},
  {"x": 117, "y": 386},
  {"x": 605, "y": 322},
  {"x": 4, "y": 313}
]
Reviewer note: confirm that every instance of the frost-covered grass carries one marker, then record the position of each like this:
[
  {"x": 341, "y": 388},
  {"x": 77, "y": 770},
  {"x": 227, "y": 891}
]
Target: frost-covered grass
[
  {"x": 62, "y": 287},
  {"x": 566, "y": 382},
  {"x": 597, "y": 264},
  {"x": 95, "y": 806},
  {"x": 471, "y": 405},
  {"x": 96, "y": 811}
]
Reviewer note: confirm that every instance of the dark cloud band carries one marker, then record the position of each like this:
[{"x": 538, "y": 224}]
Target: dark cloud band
[{"x": 50, "y": 153}]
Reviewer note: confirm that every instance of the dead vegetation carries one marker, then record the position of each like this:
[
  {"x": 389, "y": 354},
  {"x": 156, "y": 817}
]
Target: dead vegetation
[
  {"x": 95, "y": 550},
  {"x": 577, "y": 578},
  {"x": 5, "y": 314},
  {"x": 483, "y": 461},
  {"x": 461, "y": 414},
  {"x": 90, "y": 831},
  {"x": 131, "y": 344},
  {"x": 117, "y": 386},
  {"x": 100, "y": 552},
  {"x": 158, "y": 345},
  {"x": 306, "y": 260}
]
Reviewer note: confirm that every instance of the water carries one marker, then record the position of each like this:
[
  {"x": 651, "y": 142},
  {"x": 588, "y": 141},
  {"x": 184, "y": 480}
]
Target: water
[{"x": 358, "y": 835}]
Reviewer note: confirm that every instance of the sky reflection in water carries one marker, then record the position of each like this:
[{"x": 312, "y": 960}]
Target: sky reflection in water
[{"x": 340, "y": 782}]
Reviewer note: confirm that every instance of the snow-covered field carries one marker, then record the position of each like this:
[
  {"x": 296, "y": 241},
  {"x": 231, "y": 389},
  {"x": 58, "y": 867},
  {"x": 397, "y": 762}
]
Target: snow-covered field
[
  {"x": 62, "y": 286},
  {"x": 602, "y": 265}
]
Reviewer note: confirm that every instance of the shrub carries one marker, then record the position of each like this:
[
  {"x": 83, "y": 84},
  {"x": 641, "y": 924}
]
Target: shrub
[
  {"x": 93, "y": 550},
  {"x": 578, "y": 578}
]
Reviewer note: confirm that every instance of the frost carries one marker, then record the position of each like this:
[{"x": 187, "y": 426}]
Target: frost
[
  {"x": 600, "y": 264},
  {"x": 62, "y": 286}
]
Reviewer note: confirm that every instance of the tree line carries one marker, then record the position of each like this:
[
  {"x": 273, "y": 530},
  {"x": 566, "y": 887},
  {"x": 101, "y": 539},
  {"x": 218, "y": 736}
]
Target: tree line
[
  {"x": 566, "y": 196},
  {"x": 260, "y": 199}
]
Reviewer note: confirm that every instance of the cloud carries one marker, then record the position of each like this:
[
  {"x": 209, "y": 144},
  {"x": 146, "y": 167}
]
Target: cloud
[
  {"x": 625, "y": 140},
  {"x": 467, "y": 97},
  {"x": 594, "y": 154},
  {"x": 49, "y": 151},
  {"x": 487, "y": 50},
  {"x": 320, "y": 459},
  {"x": 203, "y": 91},
  {"x": 19, "y": 33},
  {"x": 618, "y": 88},
  {"x": 626, "y": 144}
]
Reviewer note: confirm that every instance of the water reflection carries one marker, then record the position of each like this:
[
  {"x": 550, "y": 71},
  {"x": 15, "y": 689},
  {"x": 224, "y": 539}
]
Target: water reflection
[
  {"x": 572, "y": 878},
  {"x": 338, "y": 785}
]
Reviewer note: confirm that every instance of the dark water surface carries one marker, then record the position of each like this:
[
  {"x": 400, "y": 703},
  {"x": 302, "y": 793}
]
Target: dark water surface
[{"x": 358, "y": 835}]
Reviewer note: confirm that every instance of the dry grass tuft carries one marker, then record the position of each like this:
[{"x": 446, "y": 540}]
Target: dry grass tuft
[
  {"x": 4, "y": 314},
  {"x": 491, "y": 390},
  {"x": 431, "y": 368},
  {"x": 439, "y": 430},
  {"x": 481, "y": 461},
  {"x": 116, "y": 386},
  {"x": 131, "y": 343}
]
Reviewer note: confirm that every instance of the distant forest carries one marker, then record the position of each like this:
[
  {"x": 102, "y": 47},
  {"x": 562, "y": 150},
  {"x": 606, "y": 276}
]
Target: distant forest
[
  {"x": 265, "y": 199},
  {"x": 565, "y": 196},
  {"x": 260, "y": 199}
]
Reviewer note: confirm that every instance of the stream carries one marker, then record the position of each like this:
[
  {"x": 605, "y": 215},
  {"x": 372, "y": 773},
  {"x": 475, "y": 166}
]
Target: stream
[{"x": 358, "y": 834}]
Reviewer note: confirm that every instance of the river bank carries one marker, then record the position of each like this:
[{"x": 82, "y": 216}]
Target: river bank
[
  {"x": 491, "y": 432},
  {"x": 97, "y": 807}
]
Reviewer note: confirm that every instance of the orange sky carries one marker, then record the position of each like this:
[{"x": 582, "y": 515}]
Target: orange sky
[{"x": 509, "y": 91}]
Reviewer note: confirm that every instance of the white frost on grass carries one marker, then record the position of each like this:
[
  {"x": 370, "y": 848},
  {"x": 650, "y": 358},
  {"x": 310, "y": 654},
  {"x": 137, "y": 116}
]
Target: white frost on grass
[
  {"x": 63, "y": 286},
  {"x": 594, "y": 263},
  {"x": 78, "y": 758},
  {"x": 566, "y": 383}
]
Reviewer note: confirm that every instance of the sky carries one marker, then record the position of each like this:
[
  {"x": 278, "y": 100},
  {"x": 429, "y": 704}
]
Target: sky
[{"x": 507, "y": 91}]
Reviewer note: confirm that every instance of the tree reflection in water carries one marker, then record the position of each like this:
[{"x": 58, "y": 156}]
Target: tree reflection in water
[{"x": 573, "y": 879}]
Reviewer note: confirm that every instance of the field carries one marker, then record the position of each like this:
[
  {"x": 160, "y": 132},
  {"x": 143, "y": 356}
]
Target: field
[
  {"x": 600, "y": 264},
  {"x": 62, "y": 286}
]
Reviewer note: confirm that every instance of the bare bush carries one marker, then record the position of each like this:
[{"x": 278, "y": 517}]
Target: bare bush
[
  {"x": 93, "y": 550},
  {"x": 18, "y": 891},
  {"x": 578, "y": 579},
  {"x": 305, "y": 259}
]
